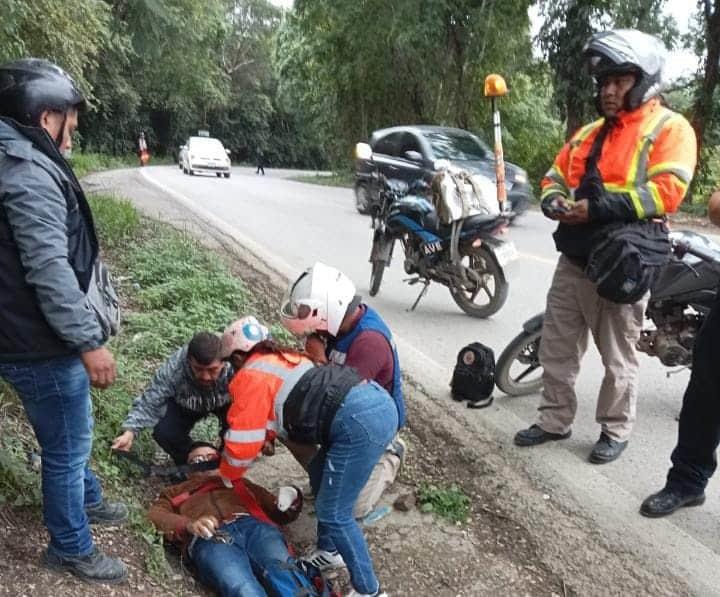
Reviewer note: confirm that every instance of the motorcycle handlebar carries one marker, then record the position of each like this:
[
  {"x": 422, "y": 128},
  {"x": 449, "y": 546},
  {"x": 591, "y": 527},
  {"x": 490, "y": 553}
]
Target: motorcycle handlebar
[{"x": 681, "y": 247}]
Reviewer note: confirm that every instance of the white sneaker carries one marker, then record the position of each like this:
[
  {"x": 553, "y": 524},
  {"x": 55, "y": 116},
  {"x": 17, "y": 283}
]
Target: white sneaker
[
  {"x": 354, "y": 593},
  {"x": 398, "y": 447},
  {"x": 325, "y": 560}
]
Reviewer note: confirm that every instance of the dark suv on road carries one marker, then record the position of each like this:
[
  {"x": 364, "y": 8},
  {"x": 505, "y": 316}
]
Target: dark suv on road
[{"x": 411, "y": 152}]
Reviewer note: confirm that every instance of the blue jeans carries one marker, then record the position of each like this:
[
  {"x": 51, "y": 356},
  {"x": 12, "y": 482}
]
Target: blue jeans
[
  {"x": 172, "y": 432},
  {"x": 363, "y": 426},
  {"x": 56, "y": 396},
  {"x": 231, "y": 569}
]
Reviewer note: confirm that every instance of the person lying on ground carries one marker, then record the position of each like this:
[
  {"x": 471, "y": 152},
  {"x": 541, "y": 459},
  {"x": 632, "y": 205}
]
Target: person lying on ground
[{"x": 230, "y": 536}]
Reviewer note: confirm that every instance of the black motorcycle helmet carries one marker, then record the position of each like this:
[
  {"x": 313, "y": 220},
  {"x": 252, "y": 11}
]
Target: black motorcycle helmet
[
  {"x": 31, "y": 86},
  {"x": 627, "y": 51}
]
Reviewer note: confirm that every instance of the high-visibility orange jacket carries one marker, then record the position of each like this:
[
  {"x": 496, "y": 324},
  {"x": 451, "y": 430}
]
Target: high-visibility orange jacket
[
  {"x": 646, "y": 164},
  {"x": 258, "y": 391}
]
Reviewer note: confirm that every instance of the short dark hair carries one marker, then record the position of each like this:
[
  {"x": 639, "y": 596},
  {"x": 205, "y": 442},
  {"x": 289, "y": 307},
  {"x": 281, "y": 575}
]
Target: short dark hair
[
  {"x": 201, "y": 444},
  {"x": 205, "y": 348}
]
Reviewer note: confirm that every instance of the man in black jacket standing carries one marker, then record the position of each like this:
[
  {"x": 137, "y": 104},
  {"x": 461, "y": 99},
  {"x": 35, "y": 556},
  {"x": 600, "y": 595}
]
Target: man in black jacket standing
[{"x": 52, "y": 334}]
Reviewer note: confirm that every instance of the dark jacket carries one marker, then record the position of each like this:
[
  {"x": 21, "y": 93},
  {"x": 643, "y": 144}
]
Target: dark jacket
[
  {"x": 172, "y": 515},
  {"x": 311, "y": 405},
  {"x": 48, "y": 247},
  {"x": 175, "y": 381}
]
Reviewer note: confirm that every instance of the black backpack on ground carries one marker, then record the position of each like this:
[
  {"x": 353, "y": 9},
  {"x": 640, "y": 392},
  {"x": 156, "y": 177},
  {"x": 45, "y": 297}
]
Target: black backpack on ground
[{"x": 474, "y": 375}]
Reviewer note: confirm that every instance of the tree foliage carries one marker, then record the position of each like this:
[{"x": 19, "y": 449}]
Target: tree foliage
[
  {"x": 355, "y": 66},
  {"x": 568, "y": 24}
]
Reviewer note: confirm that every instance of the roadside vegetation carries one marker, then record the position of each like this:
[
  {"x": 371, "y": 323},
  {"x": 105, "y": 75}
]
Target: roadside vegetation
[{"x": 449, "y": 502}]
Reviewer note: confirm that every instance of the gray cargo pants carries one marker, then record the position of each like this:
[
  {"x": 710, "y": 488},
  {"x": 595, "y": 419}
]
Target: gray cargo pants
[
  {"x": 382, "y": 476},
  {"x": 574, "y": 308}
]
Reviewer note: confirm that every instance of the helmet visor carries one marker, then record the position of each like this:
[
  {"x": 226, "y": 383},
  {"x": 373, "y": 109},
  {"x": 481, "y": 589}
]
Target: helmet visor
[
  {"x": 292, "y": 310},
  {"x": 300, "y": 317}
]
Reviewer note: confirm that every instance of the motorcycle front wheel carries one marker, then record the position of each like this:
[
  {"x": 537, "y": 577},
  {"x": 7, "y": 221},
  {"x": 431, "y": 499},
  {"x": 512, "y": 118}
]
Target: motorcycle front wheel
[
  {"x": 489, "y": 293},
  {"x": 518, "y": 371},
  {"x": 376, "y": 276},
  {"x": 362, "y": 199}
]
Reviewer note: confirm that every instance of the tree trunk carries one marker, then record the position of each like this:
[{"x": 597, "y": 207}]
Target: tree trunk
[{"x": 703, "y": 108}]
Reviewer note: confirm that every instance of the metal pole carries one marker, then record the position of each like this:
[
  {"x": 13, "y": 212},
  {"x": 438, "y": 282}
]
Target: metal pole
[{"x": 499, "y": 159}]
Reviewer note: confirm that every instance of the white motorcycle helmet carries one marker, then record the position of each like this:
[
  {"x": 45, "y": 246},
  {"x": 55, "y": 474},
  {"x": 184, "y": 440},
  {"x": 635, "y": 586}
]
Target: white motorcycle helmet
[
  {"x": 242, "y": 335},
  {"x": 318, "y": 301}
]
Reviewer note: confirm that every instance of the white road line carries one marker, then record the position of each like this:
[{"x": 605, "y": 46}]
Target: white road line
[{"x": 545, "y": 260}]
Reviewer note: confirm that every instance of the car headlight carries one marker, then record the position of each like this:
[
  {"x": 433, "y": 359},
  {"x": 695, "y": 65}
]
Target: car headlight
[{"x": 521, "y": 177}]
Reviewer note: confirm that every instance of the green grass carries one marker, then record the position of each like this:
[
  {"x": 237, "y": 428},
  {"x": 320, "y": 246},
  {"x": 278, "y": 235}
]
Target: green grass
[
  {"x": 336, "y": 179},
  {"x": 447, "y": 502}
]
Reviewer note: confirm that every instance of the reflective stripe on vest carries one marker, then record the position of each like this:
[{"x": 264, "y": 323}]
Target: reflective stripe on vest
[
  {"x": 245, "y": 436},
  {"x": 237, "y": 462},
  {"x": 644, "y": 195},
  {"x": 559, "y": 184},
  {"x": 645, "y": 200},
  {"x": 289, "y": 378}
]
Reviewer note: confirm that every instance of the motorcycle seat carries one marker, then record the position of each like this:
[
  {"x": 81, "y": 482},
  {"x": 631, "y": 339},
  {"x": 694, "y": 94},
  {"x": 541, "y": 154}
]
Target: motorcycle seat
[{"x": 472, "y": 224}]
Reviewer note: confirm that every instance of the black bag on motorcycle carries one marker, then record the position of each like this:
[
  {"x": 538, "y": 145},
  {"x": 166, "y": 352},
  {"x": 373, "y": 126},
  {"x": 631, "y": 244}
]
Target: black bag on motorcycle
[
  {"x": 627, "y": 259},
  {"x": 474, "y": 375}
]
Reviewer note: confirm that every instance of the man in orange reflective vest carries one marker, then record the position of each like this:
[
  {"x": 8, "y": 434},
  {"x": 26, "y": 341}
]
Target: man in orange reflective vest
[{"x": 633, "y": 164}]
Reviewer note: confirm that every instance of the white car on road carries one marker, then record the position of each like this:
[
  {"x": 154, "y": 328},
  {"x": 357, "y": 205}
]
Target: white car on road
[{"x": 205, "y": 155}]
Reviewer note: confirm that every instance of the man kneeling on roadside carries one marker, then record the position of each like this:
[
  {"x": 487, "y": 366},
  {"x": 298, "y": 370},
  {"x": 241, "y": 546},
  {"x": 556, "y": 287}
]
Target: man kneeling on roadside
[
  {"x": 229, "y": 535},
  {"x": 189, "y": 386}
]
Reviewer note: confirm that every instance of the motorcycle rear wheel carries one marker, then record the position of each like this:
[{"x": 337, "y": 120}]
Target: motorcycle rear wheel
[
  {"x": 518, "y": 371},
  {"x": 485, "y": 265},
  {"x": 376, "y": 276}
]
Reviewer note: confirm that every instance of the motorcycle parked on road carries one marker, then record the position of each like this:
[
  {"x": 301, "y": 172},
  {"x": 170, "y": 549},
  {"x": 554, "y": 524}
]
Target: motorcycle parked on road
[
  {"x": 467, "y": 256},
  {"x": 679, "y": 302}
]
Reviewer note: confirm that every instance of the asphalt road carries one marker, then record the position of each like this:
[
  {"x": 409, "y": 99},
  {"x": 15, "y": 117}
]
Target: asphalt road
[{"x": 293, "y": 224}]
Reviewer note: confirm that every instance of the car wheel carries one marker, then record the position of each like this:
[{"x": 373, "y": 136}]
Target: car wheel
[
  {"x": 226, "y": 174},
  {"x": 218, "y": 174},
  {"x": 191, "y": 172}
]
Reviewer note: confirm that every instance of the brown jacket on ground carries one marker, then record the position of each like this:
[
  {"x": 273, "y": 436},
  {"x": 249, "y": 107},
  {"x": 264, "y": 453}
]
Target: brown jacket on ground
[{"x": 171, "y": 514}]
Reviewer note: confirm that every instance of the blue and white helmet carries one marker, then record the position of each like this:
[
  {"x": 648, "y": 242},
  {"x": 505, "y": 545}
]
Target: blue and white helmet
[{"x": 242, "y": 335}]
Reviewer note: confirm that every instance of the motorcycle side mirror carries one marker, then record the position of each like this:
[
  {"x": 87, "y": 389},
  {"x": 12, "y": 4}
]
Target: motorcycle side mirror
[
  {"x": 363, "y": 151},
  {"x": 414, "y": 156}
]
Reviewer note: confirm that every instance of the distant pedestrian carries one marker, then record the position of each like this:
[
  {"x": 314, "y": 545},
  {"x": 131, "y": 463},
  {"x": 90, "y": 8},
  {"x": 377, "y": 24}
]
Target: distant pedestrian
[
  {"x": 260, "y": 160},
  {"x": 143, "y": 149}
]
